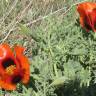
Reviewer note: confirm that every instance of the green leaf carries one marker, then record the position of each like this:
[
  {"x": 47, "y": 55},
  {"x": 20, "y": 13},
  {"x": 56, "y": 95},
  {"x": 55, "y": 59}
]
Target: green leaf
[{"x": 59, "y": 81}]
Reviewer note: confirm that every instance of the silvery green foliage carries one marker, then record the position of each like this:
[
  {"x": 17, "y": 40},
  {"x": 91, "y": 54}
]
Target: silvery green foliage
[{"x": 63, "y": 56}]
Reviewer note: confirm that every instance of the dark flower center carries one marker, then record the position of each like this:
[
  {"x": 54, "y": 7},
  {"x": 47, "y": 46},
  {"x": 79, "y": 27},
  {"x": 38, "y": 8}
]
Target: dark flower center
[
  {"x": 9, "y": 66},
  {"x": 87, "y": 23},
  {"x": 95, "y": 24},
  {"x": 8, "y": 62},
  {"x": 16, "y": 79}
]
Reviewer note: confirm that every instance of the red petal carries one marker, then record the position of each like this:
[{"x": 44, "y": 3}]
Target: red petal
[
  {"x": 6, "y": 53},
  {"x": 24, "y": 62},
  {"x": 93, "y": 18},
  {"x": 85, "y": 9},
  {"x": 6, "y": 84}
]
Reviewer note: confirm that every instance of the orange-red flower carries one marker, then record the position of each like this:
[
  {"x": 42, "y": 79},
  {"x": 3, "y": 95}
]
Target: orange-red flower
[
  {"x": 87, "y": 11},
  {"x": 14, "y": 67}
]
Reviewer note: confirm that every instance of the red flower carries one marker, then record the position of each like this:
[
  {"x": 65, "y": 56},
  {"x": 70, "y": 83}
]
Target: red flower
[
  {"x": 87, "y": 11},
  {"x": 14, "y": 67}
]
